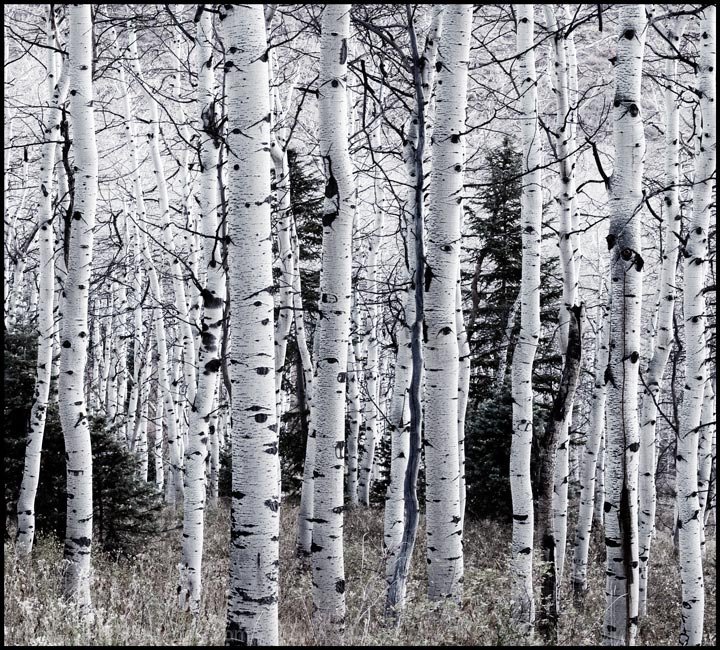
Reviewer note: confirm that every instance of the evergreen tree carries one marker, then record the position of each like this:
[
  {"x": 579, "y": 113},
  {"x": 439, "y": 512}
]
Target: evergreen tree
[{"x": 493, "y": 215}]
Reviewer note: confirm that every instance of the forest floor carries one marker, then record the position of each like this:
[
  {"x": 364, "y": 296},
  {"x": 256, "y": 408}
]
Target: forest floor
[{"x": 135, "y": 600}]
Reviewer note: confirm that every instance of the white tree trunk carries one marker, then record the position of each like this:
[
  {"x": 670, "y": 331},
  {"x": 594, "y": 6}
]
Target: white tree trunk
[
  {"x": 73, "y": 358},
  {"x": 176, "y": 266},
  {"x": 353, "y": 436},
  {"x": 444, "y": 527},
  {"x": 521, "y": 594},
  {"x": 567, "y": 243},
  {"x": 463, "y": 390},
  {"x": 57, "y": 86},
  {"x": 254, "y": 552},
  {"x": 626, "y": 264},
  {"x": 209, "y": 361},
  {"x": 689, "y": 522},
  {"x": 335, "y": 286},
  {"x": 158, "y": 436},
  {"x": 304, "y": 541},
  {"x": 590, "y": 456},
  {"x": 705, "y": 457},
  {"x": 663, "y": 340},
  {"x": 399, "y": 420}
]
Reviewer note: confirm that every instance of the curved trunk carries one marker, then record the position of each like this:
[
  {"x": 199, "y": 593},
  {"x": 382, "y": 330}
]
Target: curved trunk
[
  {"x": 463, "y": 390},
  {"x": 521, "y": 594},
  {"x": 626, "y": 264},
  {"x": 252, "y": 615},
  {"x": 559, "y": 414},
  {"x": 705, "y": 457},
  {"x": 394, "y": 517},
  {"x": 73, "y": 357}
]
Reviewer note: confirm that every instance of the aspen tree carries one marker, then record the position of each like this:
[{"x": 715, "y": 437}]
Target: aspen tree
[
  {"x": 689, "y": 522},
  {"x": 399, "y": 530},
  {"x": 57, "y": 86},
  {"x": 328, "y": 566},
  {"x": 626, "y": 265},
  {"x": 213, "y": 295},
  {"x": 73, "y": 358},
  {"x": 591, "y": 454},
  {"x": 252, "y": 616},
  {"x": 521, "y": 594},
  {"x": 443, "y": 519},
  {"x": 564, "y": 137},
  {"x": 663, "y": 340}
]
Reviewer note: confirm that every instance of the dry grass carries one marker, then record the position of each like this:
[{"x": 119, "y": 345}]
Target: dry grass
[{"x": 135, "y": 600}]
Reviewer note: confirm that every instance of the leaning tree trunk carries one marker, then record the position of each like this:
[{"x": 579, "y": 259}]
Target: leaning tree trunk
[
  {"x": 399, "y": 559},
  {"x": 689, "y": 522},
  {"x": 626, "y": 264},
  {"x": 521, "y": 594},
  {"x": 57, "y": 89},
  {"x": 328, "y": 564},
  {"x": 664, "y": 313},
  {"x": 73, "y": 359},
  {"x": 443, "y": 518},
  {"x": 559, "y": 415},
  {"x": 252, "y": 615},
  {"x": 209, "y": 361}
]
